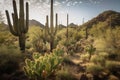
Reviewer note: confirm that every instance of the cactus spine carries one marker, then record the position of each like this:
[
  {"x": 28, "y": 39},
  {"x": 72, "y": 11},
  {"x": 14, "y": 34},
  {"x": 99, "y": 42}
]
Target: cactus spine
[
  {"x": 52, "y": 30},
  {"x": 20, "y": 25}
]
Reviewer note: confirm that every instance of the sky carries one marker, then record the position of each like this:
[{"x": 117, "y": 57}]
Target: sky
[{"x": 77, "y": 9}]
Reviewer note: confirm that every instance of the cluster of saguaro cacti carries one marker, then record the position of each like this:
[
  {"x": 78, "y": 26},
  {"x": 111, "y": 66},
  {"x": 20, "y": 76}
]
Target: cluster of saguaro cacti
[
  {"x": 52, "y": 30},
  {"x": 20, "y": 25}
]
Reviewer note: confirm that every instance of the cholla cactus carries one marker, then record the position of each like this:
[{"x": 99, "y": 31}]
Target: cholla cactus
[
  {"x": 90, "y": 49},
  {"x": 41, "y": 67},
  {"x": 20, "y": 25}
]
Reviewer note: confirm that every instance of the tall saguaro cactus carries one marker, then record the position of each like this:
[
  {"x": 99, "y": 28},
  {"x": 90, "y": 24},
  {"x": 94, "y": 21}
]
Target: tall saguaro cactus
[
  {"x": 86, "y": 32},
  {"x": 52, "y": 30},
  {"x": 67, "y": 26},
  {"x": 20, "y": 25}
]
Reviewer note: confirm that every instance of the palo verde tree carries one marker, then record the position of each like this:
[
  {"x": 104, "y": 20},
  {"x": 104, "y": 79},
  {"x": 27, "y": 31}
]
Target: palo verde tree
[
  {"x": 51, "y": 30},
  {"x": 20, "y": 25}
]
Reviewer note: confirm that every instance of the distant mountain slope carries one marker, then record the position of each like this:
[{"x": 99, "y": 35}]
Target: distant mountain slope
[
  {"x": 109, "y": 17},
  {"x": 72, "y": 25},
  {"x": 62, "y": 26},
  {"x": 3, "y": 27},
  {"x": 35, "y": 23}
]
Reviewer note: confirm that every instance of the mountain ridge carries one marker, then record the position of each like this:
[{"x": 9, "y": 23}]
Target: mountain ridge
[{"x": 112, "y": 18}]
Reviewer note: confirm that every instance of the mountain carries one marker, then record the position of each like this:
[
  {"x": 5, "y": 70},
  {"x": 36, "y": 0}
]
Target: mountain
[
  {"x": 62, "y": 26},
  {"x": 35, "y": 23},
  {"x": 72, "y": 25},
  {"x": 111, "y": 18},
  {"x": 3, "y": 28}
]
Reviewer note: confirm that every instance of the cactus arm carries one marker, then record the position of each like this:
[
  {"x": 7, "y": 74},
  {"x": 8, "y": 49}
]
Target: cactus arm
[
  {"x": 16, "y": 18},
  {"x": 15, "y": 9},
  {"x": 14, "y": 24},
  {"x": 21, "y": 15},
  {"x": 9, "y": 23},
  {"x": 47, "y": 24},
  {"x": 51, "y": 17},
  {"x": 27, "y": 17},
  {"x": 56, "y": 27}
]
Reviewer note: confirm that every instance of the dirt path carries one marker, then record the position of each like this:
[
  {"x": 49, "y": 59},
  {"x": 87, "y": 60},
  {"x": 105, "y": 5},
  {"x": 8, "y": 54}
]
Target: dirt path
[{"x": 75, "y": 65}]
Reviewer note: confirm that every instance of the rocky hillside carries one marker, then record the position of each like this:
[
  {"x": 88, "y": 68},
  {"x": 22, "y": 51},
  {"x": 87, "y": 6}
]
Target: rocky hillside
[
  {"x": 35, "y": 23},
  {"x": 111, "y": 18}
]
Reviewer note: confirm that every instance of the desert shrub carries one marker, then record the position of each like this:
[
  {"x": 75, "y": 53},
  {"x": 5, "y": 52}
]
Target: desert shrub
[
  {"x": 39, "y": 43},
  {"x": 94, "y": 69},
  {"x": 9, "y": 59},
  {"x": 100, "y": 60},
  {"x": 61, "y": 34},
  {"x": 78, "y": 47},
  {"x": 103, "y": 54},
  {"x": 112, "y": 56},
  {"x": 113, "y": 66},
  {"x": 28, "y": 45},
  {"x": 40, "y": 46},
  {"x": 6, "y": 38},
  {"x": 41, "y": 67},
  {"x": 64, "y": 74},
  {"x": 77, "y": 36},
  {"x": 118, "y": 56},
  {"x": 91, "y": 50},
  {"x": 85, "y": 57},
  {"x": 106, "y": 39},
  {"x": 100, "y": 45},
  {"x": 68, "y": 45},
  {"x": 112, "y": 39}
]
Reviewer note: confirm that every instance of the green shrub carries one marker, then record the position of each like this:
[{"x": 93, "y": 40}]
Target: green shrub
[
  {"x": 100, "y": 60},
  {"x": 41, "y": 67},
  {"x": 64, "y": 74},
  {"x": 103, "y": 54},
  {"x": 112, "y": 56},
  {"x": 77, "y": 36},
  {"x": 10, "y": 58},
  {"x": 90, "y": 49},
  {"x": 40, "y": 46},
  {"x": 112, "y": 65},
  {"x": 85, "y": 57},
  {"x": 94, "y": 69}
]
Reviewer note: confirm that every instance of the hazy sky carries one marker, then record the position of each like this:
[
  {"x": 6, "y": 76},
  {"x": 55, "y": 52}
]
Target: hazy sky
[{"x": 77, "y": 9}]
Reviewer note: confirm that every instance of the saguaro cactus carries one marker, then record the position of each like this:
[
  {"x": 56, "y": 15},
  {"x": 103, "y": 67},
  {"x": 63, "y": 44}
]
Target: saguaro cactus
[
  {"x": 86, "y": 32},
  {"x": 67, "y": 26},
  {"x": 52, "y": 30},
  {"x": 20, "y": 25}
]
